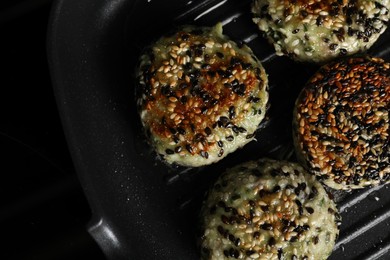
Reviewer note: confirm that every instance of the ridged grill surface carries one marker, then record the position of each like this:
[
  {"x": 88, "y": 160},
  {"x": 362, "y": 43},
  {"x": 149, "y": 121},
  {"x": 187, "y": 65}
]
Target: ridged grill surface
[
  {"x": 142, "y": 208},
  {"x": 365, "y": 229}
]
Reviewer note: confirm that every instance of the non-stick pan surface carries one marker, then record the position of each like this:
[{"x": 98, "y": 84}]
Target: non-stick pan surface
[{"x": 143, "y": 209}]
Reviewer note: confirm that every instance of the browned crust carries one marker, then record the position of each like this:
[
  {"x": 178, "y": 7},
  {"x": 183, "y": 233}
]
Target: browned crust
[
  {"x": 185, "y": 96},
  {"x": 342, "y": 122}
]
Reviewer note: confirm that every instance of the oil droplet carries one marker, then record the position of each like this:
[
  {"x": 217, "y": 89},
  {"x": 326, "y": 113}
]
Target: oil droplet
[
  {"x": 342, "y": 247},
  {"x": 374, "y": 196}
]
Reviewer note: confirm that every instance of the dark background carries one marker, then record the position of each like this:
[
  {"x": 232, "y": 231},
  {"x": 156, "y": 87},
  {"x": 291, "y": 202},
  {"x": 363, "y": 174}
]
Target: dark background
[{"x": 43, "y": 211}]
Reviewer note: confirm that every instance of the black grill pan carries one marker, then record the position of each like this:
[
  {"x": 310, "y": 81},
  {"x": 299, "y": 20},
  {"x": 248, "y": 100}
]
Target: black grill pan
[{"x": 142, "y": 209}]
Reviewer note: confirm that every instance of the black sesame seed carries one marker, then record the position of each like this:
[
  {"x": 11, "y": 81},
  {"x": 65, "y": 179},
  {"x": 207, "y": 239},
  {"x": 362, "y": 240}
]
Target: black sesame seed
[
  {"x": 183, "y": 99},
  {"x": 185, "y": 37},
  {"x": 300, "y": 208},
  {"x": 173, "y": 130},
  {"x": 204, "y": 154},
  {"x": 256, "y": 235},
  {"x": 343, "y": 52},
  {"x": 289, "y": 186},
  {"x": 302, "y": 186},
  {"x": 165, "y": 91},
  {"x": 205, "y": 66},
  {"x": 304, "y": 13},
  {"x": 310, "y": 210},
  {"x": 178, "y": 149},
  {"x": 286, "y": 222},
  {"x": 276, "y": 189},
  {"x": 295, "y": 31},
  {"x": 221, "y": 204},
  {"x": 207, "y": 130},
  {"x": 249, "y": 136},
  {"x": 316, "y": 240},
  {"x": 271, "y": 241},
  {"x": 199, "y": 138},
  {"x": 333, "y": 46},
  {"x": 236, "y": 196},
  {"x": 263, "y": 193},
  {"x": 169, "y": 151},
  {"x": 235, "y": 83},
  {"x": 219, "y": 55},
  {"x": 224, "y": 120},
  {"x": 246, "y": 66},
  {"x": 223, "y": 74},
  {"x": 250, "y": 252},
  {"x": 320, "y": 20},
  {"x": 189, "y": 148},
  {"x": 221, "y": 230},
  {"x": 258, "y": 73},
  {"x": 231, "y": 252},
  {"x": 175, "y": 139},
  {"x": 225, "y": 219},
  {"x": 294, "y": 257},
  {"x": 235, "y": 61},
  {"x": 265, "y": 208},
  {"x": 266, "y": 226},
  {"x": 280, "y": 253},
  {"x": 220, "y": 153},
  {"x": 255, "y": 99},
  {"x": 232, "y": 238},
  {"x": 198, "y": 52},
  {"x": 229, "y": 138},
  {"x": 242, "y": 130},
  {"x": 285, "y": 229},
  {"x": 181, "y": 131},
  {"x": 229, "y": 125},
  {"x": 240, "y": 89}
]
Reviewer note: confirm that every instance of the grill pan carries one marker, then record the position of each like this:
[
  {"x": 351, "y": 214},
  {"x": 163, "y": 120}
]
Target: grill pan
[{"x": 141, "y": 208}]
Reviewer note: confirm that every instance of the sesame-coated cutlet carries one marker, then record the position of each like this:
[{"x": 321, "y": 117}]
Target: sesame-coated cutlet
[
  {"x": 200, "y": 95},
  {"x": 268, "y": 209},
  {"x": 341, "y": 123},
  {"x": 318, "y": 31}
]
